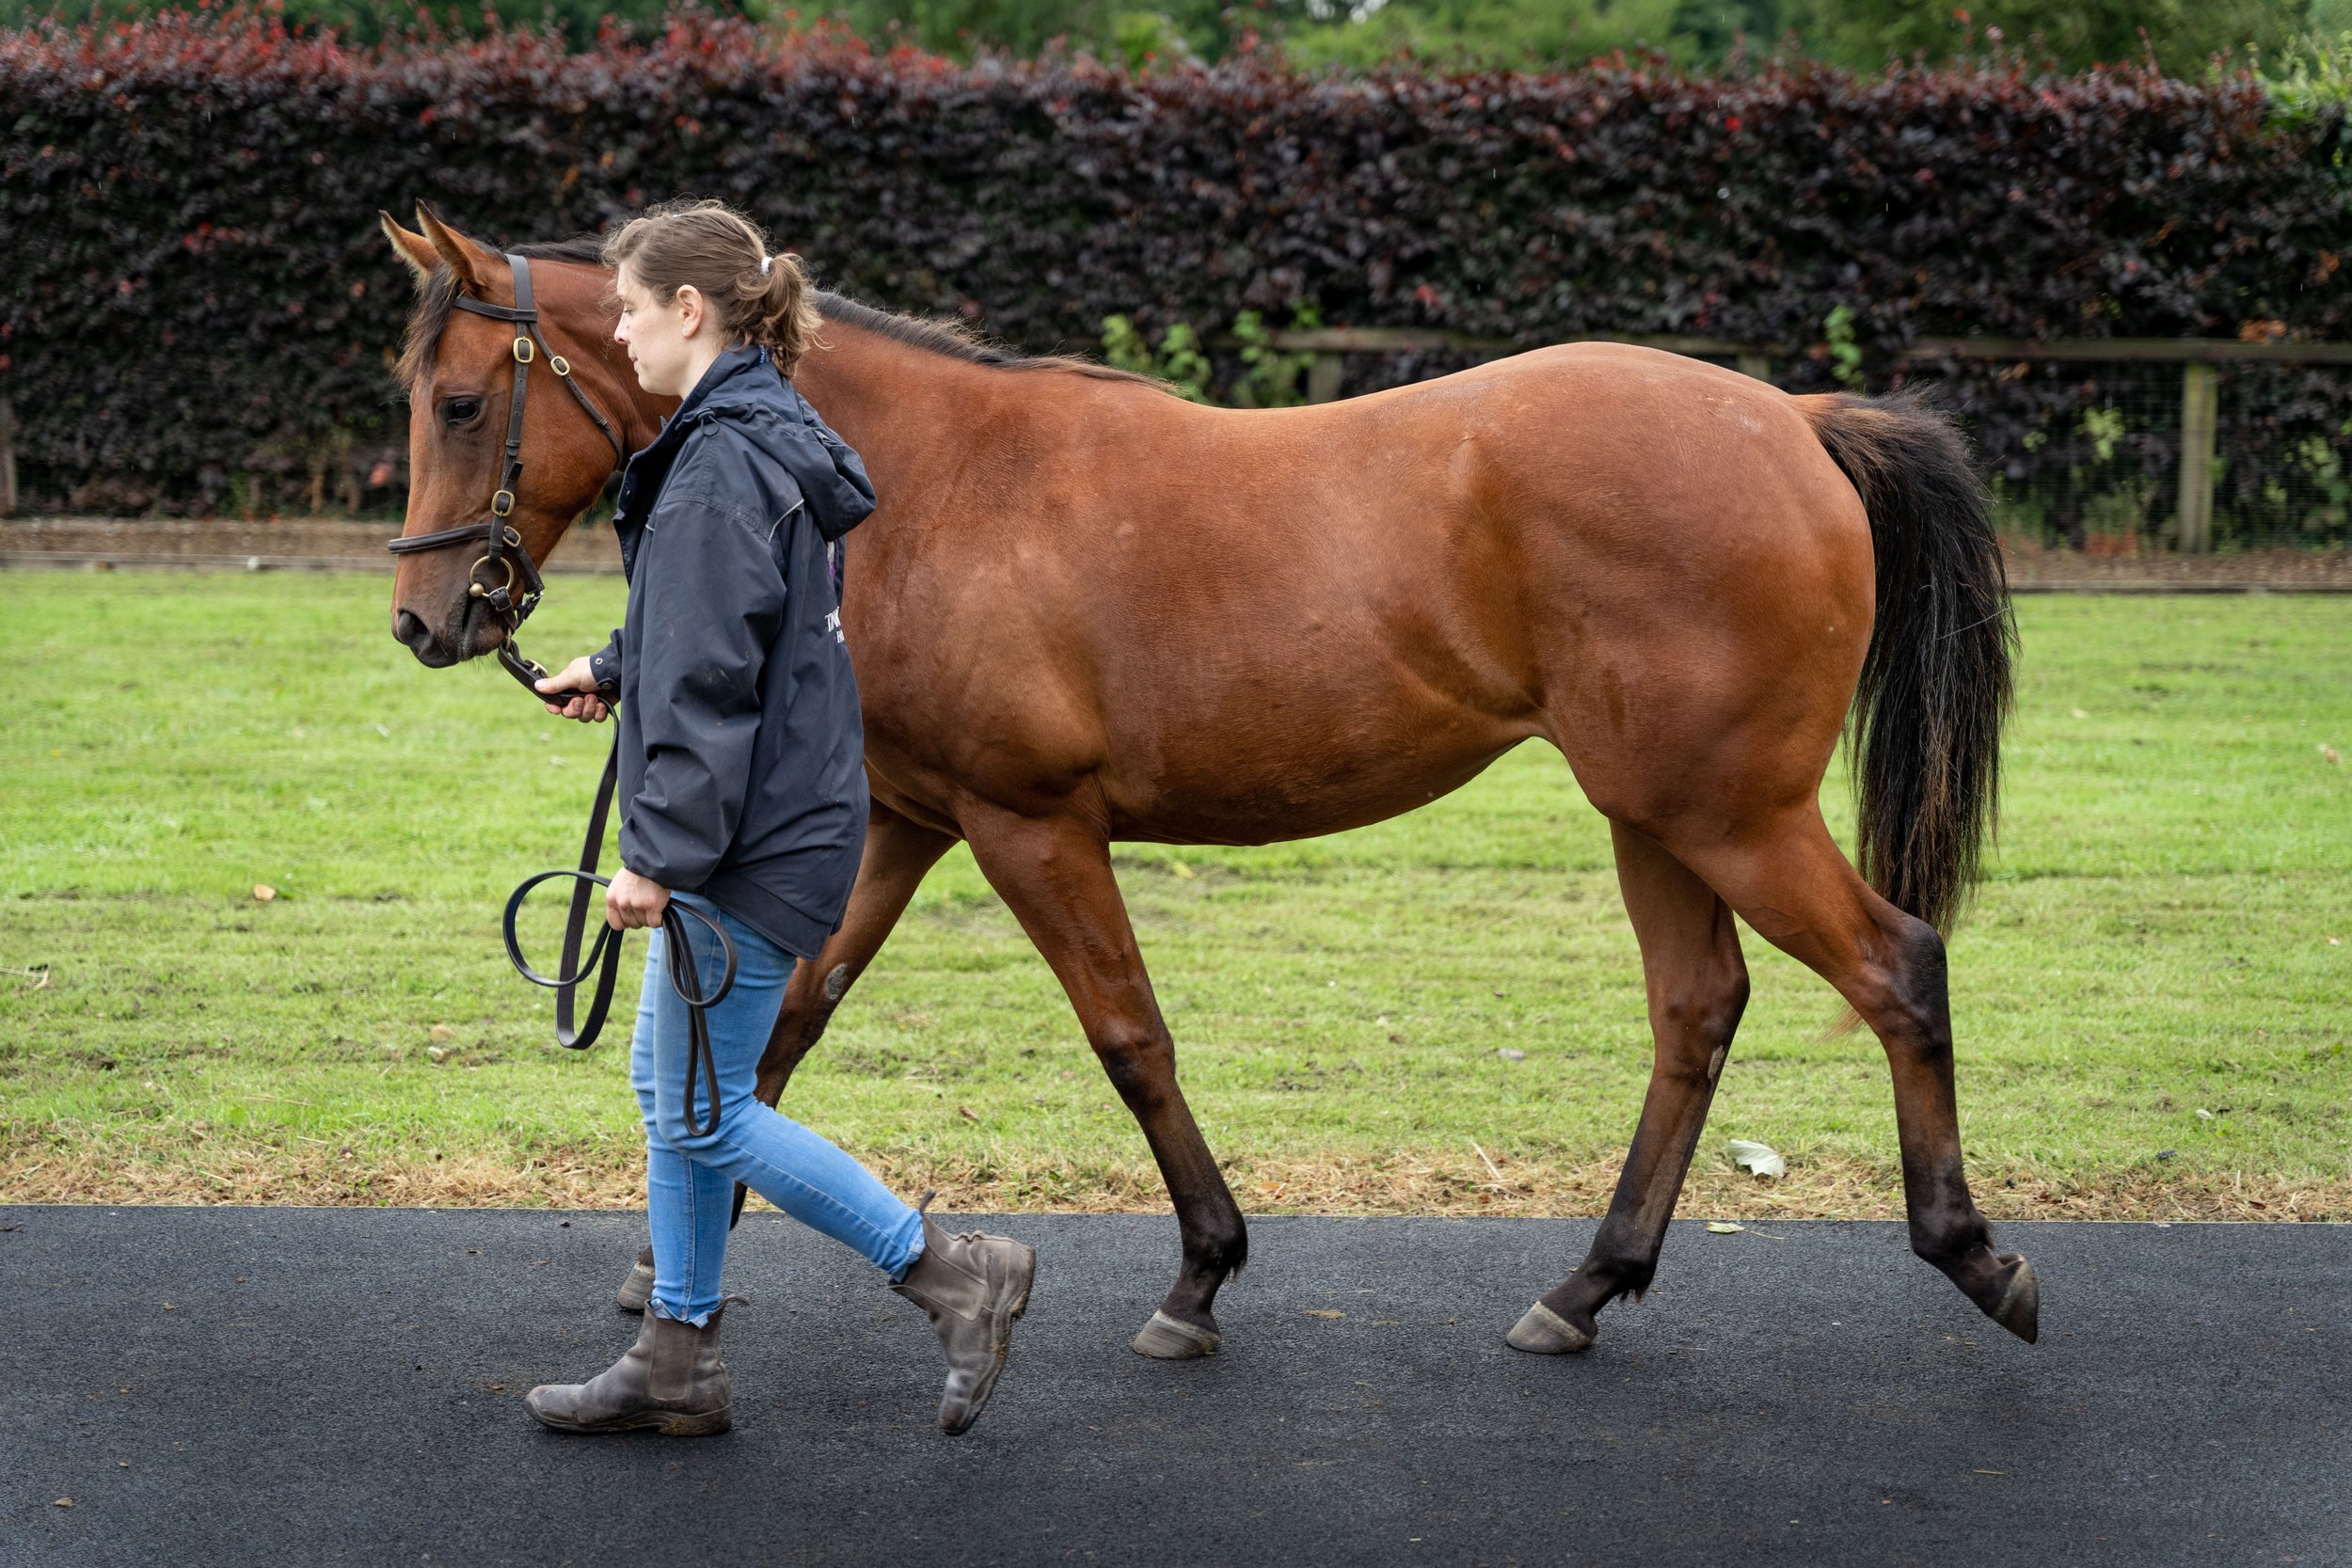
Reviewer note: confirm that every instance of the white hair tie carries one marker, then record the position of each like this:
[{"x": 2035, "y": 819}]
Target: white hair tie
[{"x": 764, "y": 260}]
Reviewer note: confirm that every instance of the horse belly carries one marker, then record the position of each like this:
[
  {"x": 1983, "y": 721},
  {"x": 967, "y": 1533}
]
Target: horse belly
[{"x": 1298, "y": 748}]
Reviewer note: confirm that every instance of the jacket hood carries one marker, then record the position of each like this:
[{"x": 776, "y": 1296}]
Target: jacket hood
[{"x": 743, "y": 387}]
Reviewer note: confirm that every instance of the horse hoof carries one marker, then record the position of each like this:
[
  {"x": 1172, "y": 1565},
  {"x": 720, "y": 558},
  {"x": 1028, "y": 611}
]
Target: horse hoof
[
  {"x": 1167, "y": 1339},
  {"x": 2019, "y": 1310},
  {"x": 636, "y": 1289},
  {"x": 1542, "y": 1332}
]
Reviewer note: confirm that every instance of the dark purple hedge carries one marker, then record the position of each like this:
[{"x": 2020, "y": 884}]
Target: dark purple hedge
[{"x": 196, "y": 287}]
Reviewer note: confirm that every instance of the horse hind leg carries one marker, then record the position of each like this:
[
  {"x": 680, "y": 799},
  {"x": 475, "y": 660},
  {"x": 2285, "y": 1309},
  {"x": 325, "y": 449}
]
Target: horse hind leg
[
  {"x": 1789, "y": 880},
  {"x": 1697, "y": 983}
]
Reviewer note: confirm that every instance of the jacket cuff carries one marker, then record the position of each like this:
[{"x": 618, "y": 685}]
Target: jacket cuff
[
  {"x": 685, "y": 872},
  {"x": 605, "y": 664}
]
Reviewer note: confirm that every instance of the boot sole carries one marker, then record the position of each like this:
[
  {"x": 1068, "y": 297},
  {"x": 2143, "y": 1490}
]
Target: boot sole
[
  {"x": 1000, "y": 1343},
  {"x": 669, "y": 1424}
]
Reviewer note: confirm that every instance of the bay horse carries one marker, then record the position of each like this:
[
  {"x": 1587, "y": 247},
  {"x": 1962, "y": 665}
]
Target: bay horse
[{"x": 1088, "y": 610}]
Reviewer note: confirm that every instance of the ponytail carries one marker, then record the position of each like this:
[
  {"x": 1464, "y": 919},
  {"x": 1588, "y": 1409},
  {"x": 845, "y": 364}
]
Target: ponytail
[{"x": 782, "y": 315}]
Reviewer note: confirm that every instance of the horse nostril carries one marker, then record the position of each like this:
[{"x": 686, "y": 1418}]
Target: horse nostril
[{"x": 409, "y": 627}]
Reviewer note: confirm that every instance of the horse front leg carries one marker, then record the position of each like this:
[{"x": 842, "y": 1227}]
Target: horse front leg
[
  {"x": 1054, "y": 874},
  {"x": 898, "y": 855}
]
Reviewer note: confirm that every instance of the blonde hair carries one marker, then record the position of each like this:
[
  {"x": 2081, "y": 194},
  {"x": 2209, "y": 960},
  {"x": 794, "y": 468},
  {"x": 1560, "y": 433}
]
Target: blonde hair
[{"x": 753, "y": 296}]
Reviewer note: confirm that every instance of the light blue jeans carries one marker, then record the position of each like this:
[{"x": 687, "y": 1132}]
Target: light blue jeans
[{"x": 690, "y": 1181}]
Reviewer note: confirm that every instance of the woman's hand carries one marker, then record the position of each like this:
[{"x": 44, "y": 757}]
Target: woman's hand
[
  {"x": 632, "y": 903},
  {"x": 577, "y": 677}
]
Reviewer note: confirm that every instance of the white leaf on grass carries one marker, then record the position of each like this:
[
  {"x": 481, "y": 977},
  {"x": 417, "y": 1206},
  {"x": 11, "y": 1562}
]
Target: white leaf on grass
[
  {"x": 1723, "y": 1228},
  {"x": 1762, "y": 1159}
]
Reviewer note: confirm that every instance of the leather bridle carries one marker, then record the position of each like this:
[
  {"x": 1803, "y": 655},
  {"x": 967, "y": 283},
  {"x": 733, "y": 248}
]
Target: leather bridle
[
  {"x": 503, "y": 551},
  {"x": 510, "y": 567}
]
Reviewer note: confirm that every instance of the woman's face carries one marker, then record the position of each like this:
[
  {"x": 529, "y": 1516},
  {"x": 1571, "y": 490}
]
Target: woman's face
[{"x": 668, "y": 343}]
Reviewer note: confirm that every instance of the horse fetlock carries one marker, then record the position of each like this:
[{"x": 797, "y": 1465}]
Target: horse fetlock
[
  {"x": 1958, "y": 1242},
  {"x": 1599, "y": 1281},
  {"x": 1204, "y": 1271}
]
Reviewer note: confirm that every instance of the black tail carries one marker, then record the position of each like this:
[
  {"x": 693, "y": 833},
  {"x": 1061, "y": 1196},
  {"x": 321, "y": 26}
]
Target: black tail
[{"x": 1926, "y": 726}]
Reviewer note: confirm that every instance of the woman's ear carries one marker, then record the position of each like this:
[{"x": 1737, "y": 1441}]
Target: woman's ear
[{"x": 690, "y": 309}]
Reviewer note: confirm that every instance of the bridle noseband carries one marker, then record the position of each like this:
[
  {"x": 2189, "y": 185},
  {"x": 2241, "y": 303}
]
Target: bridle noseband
[{"x": 497, "y": 537}]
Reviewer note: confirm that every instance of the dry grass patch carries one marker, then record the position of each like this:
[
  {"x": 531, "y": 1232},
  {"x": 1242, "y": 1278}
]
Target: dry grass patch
[{"x": 1406, "y": 1182}]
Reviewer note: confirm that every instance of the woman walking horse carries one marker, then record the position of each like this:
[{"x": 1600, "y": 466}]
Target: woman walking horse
[{"x": 1085, "y": 610}]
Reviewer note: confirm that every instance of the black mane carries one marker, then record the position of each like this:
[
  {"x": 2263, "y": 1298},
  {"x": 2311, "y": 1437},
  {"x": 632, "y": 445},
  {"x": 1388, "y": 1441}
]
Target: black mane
[
  {"x": 950, "y": 340},
  {"x": 956, "y": 341}
]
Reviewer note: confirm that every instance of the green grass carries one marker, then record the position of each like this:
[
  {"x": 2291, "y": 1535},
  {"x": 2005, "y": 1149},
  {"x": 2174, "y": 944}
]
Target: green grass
[{"x": 2154, "y": 941}]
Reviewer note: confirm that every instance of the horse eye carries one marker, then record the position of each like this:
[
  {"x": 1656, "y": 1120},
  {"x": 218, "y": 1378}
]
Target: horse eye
[{"x": 459, "y": 411}]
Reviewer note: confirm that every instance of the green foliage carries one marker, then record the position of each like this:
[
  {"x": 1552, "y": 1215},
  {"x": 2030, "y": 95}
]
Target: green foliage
[
  {"x": 1271, "y": 378},
  {"x": 1861, "y": 35},
  {"x": 2182, "y": 36},
  {"x": 1177, "y": 360},
  {"x": 965, "y": 27},
  {"x": 1845, "y": 355},
  {"x": 1476, "y": 33},
  {"x": 1173, "y": 33},
  {"x": 2105, "y": 428},
  {"x": 1148, "y": 41},
  {"x": 2310, "y": 86}
]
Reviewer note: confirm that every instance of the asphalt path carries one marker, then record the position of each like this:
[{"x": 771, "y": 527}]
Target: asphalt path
[{"x": 327, "y": 1386}]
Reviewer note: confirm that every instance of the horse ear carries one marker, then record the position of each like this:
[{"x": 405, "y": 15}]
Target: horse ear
[
  {"x": 415, "y": 249},
  {"x": 468, "y": 261}
]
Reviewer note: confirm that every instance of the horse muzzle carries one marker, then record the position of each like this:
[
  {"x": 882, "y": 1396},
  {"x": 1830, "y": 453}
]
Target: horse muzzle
[{"x": 469, "y": 633}]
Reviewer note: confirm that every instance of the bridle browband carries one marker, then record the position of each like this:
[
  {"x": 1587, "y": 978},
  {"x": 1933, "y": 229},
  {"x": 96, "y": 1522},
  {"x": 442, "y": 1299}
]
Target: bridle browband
[
  {"x": 496, "y": 536},
  {"x": 497, "y": 539}
]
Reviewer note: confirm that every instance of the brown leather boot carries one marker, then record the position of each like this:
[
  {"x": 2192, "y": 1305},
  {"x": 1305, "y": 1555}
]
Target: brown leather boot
[
  {"x": 972, "y": 1287},
  {"x": 671, "y": 1380}
]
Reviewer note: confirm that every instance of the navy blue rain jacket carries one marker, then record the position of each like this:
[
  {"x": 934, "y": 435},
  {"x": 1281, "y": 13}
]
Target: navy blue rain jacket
[{"x": 741, "y": 757}]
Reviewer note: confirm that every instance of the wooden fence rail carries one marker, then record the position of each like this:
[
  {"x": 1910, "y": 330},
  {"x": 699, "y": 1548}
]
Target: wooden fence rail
[{"x": 2200, "y": 389}]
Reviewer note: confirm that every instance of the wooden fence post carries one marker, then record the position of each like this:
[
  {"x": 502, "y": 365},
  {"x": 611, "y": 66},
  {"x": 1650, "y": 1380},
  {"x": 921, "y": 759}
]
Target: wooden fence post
[
  {"x": 1756, "y": 365},
  {"x": 8, "y": 456},
  {"x": 1323, "y": 377},
  {"x": 2200, "y": 410}
]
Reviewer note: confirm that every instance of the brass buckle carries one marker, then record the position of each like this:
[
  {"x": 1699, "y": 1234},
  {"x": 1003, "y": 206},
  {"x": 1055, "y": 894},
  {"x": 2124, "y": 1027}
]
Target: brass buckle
[
  {"x": 523, "y": 350},
  {"x": 502, "y": 503},
  {"x": 557, "y": 363},
  {"x": 538, "y": 670}
]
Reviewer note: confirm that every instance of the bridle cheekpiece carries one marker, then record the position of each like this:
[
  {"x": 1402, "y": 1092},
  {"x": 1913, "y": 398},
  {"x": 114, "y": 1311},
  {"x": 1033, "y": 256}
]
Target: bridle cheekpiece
[{"x": 510, "y": 564}]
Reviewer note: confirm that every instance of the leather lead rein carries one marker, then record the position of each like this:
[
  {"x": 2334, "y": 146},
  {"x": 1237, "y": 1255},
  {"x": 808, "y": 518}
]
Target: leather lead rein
[{"x": 510, "y": 569}]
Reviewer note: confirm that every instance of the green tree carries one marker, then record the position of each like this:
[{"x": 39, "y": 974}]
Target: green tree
[
  {"x": 1470, "y": 33},
  {"x": 1861, "y": 35},
  {"x": 2183, "y": 35}
]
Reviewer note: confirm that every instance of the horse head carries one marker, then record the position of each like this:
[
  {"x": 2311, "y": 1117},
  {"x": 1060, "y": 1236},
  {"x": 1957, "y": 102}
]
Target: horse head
[{"x": 460, "y": 367}]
